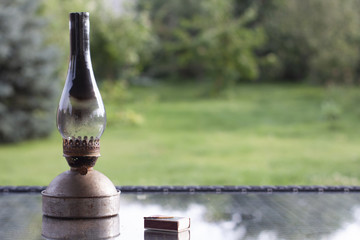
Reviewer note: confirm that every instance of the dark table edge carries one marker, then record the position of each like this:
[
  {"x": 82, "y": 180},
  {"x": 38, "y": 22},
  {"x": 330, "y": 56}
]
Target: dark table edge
[{"x": 205, "y": 189}]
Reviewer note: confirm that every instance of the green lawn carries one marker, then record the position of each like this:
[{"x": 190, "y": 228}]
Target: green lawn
[{"x": 249, "y": 135}]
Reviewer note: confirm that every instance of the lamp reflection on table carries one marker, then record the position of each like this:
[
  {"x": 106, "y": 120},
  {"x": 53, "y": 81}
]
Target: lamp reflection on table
[{"x": 98, "y": 228}]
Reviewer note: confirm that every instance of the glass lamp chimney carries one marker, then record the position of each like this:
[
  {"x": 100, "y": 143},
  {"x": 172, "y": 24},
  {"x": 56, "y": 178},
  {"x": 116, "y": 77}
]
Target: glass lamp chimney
[{"x": 81, "y": 116}]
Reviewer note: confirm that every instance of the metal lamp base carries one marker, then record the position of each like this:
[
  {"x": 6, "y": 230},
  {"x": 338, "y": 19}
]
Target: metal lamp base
[
  {"x": 98, "y": 228},
  {"x": 75, "y": 195}
]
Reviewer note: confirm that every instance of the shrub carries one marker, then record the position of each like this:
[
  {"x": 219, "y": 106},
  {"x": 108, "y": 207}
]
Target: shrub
[
  {"x": 120, "y": 37},
  {"x": 318, "y": 40},
  {"x": 27, "y": 83},
  {"x": 204, "y": 40}
]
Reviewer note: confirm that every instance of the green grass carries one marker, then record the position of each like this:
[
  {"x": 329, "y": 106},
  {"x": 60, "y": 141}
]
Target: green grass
[{"x": 249, "y": 135}]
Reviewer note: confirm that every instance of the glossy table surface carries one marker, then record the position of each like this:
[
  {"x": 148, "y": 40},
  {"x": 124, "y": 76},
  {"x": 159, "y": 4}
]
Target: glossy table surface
[{"x": 263, "y": 215}]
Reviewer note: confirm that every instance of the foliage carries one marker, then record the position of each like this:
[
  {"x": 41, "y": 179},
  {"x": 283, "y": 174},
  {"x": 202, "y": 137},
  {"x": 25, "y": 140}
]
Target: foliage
[
  {"x": 318, "y": 40},
  {"x": 57, "y": 29},
  {"x": 27, "y": 82},
  {"x": 117, "y": 95},
  {"x": 217, "y": 41},
  {"x": 203, "y": 39},
  {"x": 331, "y": 113},
  {"x": 120, "y": 40},
  {"x": 121, "y": 43},
  {"x": 116, "y": 92}
]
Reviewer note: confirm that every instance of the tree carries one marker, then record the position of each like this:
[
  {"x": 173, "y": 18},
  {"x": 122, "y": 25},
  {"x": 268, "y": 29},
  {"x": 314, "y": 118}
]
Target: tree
[
  {"x": 316, "y": 40},
  {"x": 121, "y": 42},
  {"x": 27, "y": 83},
  {"x": 203, "y": 40},
  {"x": 120, "y": 37}
]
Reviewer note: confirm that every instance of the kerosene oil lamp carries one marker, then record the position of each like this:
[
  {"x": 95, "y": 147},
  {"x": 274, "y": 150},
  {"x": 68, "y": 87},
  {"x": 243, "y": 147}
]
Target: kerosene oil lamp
[{"x": 81, "y": 192}]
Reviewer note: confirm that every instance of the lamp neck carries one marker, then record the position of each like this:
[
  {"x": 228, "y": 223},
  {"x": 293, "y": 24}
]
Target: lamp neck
[
  {"x": 79, "y": 27},
  {"x": 80, "y": 74}
]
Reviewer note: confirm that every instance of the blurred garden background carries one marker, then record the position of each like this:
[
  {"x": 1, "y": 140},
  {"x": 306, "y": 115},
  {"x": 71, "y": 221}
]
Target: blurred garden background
[{"x": 197, "y": 92}]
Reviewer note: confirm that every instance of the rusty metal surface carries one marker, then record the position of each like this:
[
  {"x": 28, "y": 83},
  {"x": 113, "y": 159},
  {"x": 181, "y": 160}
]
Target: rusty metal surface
[
  {"x": 74, "y": 195},
  {"x": 81, "y": 153},
  {"x": 84, "y": 207},
  {"x": 100, "y": 228},
  {"x": 73, "y": 184},
  {"x": 81, "y": 162},
  {"x": 81, "y": 147}
]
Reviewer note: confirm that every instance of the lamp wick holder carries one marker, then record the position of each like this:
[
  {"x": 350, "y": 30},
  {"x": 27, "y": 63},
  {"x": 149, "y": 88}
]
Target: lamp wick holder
[
  {"x": 81, "y": 192},
  {"x": 81, "y": 154}
]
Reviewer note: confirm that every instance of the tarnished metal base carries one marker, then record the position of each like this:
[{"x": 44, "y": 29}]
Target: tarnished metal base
[
  {"x": 74, "y": 195},
  {"x": 99, "y": 228}
]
